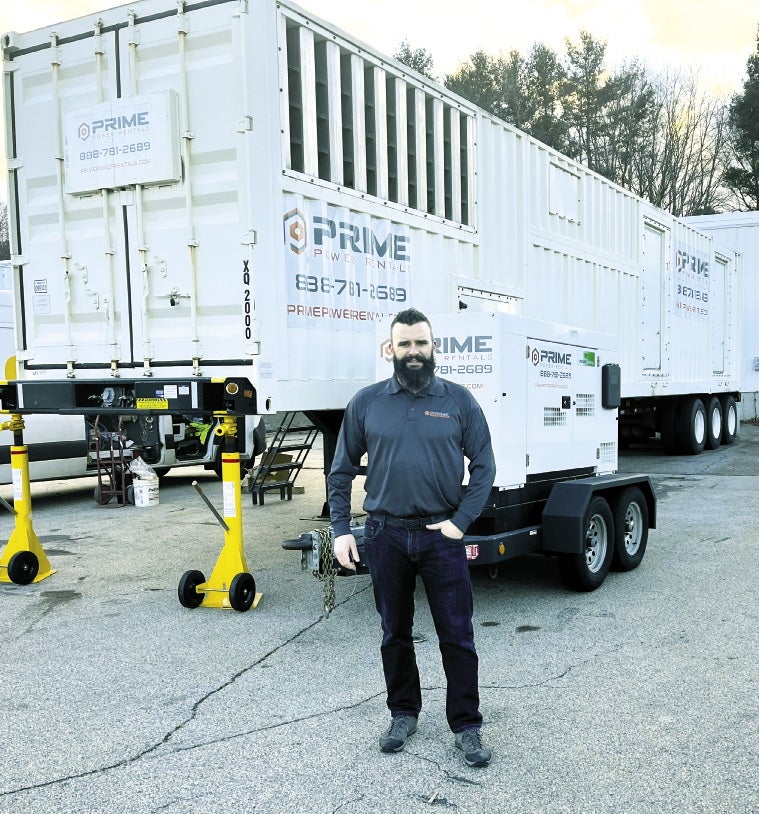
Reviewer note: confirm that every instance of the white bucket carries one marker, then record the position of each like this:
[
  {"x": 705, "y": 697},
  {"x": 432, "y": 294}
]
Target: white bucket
[{"x": 145, "y": 492}]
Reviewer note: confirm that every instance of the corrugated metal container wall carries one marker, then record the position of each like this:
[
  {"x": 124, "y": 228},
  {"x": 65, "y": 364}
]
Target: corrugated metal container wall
[
  {"x": 587, "y": 253},
  {"x": 116, "y": 271},
  {"x": 501, "y": 206},
  {"x": 703, "y": 336},
  {"x": 739, "y": 231}
]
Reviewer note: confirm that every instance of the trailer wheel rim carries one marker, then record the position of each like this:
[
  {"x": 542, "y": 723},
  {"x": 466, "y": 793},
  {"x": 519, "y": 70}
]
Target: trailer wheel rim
[
  {"x": 596, "y": 543},
  {"x": 732, "y": 419},
  {"x": 716, "y": 424},
  {"x": 699, "y": 426},
  {"x": 633, "y": 533}
]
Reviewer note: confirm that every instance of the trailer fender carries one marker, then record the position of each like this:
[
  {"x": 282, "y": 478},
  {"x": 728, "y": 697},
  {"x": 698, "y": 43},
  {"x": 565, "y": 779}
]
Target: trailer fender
[{"x": 564, "y": 512}]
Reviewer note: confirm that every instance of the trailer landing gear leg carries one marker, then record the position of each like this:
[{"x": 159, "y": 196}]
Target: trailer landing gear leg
[
  {"x": 230, "y": 584},
  {"x": 23, "y": 561}
]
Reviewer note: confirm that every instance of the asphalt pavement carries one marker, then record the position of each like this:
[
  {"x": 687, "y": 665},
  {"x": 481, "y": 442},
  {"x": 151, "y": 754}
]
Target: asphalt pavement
[{"x": 639, "y": 697}]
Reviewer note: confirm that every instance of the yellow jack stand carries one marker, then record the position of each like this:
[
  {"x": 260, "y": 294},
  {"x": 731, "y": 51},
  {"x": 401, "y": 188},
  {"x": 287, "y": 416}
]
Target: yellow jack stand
[
  {"x": 230, "y": 584},
  {"x": 23, "y": 561}
]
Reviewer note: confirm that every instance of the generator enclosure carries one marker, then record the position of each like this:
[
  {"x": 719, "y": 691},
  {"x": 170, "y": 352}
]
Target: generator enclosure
[
  {"x": 540, "y": 385},
  {"x": 240, "y": 190}
]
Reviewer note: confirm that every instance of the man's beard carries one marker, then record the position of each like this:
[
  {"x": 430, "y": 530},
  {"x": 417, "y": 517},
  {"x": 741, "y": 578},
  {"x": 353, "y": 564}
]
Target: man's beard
[{"x": 415, "y": 379}]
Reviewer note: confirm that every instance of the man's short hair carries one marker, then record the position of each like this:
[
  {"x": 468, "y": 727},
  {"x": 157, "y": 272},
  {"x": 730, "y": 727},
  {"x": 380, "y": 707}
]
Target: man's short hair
[{"x": 411, "y": 316}]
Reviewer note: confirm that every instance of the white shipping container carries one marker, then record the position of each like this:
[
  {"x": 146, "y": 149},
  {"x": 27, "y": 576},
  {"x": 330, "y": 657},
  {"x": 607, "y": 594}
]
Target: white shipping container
[
  {"x": 740, "y": 230},
  {"x": 243, "y": 190}
]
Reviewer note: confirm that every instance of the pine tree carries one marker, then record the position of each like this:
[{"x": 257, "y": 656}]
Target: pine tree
[{"x": 743, "y": 176}]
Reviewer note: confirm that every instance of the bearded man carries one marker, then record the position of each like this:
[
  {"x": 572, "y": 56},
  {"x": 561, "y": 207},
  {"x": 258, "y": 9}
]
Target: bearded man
[{"x": 416, "y": 429}]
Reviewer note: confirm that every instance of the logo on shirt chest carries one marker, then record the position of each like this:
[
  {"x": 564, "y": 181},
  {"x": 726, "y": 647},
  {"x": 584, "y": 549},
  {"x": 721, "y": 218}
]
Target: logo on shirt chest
[{"x": 435, "y": 414}]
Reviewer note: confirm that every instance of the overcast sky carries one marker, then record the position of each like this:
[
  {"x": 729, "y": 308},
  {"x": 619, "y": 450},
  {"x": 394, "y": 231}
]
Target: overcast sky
[{"x": 716, "y": 37}]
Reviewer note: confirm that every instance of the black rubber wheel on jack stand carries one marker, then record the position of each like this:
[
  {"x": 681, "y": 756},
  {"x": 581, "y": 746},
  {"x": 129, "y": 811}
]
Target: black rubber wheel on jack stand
[
  {"x": 188, "y": 596},
  {"x": 101, "y": 499},
  {"x": 242, "y": 592},
  {"x": 23, "y": 567}
]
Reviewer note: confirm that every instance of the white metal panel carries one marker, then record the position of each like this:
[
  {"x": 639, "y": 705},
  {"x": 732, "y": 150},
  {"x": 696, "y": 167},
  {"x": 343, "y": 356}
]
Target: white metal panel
[
  {"x": 454, "y": 119},
  {"x": 436, "y": 126},
  {"x": 420, "y": 119},
  {"x": 308, "y": 97},
  {"x": 739, "y": 232},
  {"x": 335, "y": 113},
  {"x": 68, "y": 300},
  {"x": 719, "y": 282},
  {"x": 380, "y": 131},
  {"x": 359, "y": 123},
  {"x": 284, "y": 91},
  {"x": 401, "y": 139},
  {"x": 690, "y": 324},
  {"x": 471, "y": 189},
  {"x": 651, "y": 288},
  {"x": 179, "y": 314}
]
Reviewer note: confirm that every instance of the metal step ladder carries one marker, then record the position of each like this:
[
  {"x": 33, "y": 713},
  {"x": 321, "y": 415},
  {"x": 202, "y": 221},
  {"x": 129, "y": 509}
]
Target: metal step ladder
[{"x": 284, "y": 458}]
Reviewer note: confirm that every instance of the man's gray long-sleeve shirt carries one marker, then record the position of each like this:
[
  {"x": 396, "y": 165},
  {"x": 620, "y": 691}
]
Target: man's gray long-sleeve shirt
[{"x": 416, "y": 446}]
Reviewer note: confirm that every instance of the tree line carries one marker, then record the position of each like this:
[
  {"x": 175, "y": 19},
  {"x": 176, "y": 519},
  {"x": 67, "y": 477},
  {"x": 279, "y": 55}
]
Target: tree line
[{"x": 659, "y": 135}]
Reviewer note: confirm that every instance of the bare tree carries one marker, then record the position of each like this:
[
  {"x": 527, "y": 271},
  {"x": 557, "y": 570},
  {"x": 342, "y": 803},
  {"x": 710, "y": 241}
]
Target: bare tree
[
  {"x": 660, "y": 136},
  {"x": 681, "y": 164}
]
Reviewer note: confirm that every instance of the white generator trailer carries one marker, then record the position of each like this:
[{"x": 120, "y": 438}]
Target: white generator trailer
[
  {"x": 213, "y": 204},
  {"x": 550, "y": 394}
]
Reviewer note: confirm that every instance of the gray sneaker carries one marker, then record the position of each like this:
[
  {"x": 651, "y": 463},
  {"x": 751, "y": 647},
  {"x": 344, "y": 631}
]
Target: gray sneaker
[
  {"x": 401, "y": 728},
  {"x": 470, "y": 743}
]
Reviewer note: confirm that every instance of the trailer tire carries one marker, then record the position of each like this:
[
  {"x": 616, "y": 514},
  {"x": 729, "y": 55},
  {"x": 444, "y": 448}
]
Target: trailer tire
[
  {"x": 588, "y": 570},
  {"x": 630, "y": 529},
  {"x": 23, "y": 567},
  {"x": 729, "y": 420},
  {"x": 188, "y": 596},
  {"x": 691, "y": 426},
  {"x": 713, "y": 423},
  {"x": 242, "y": 591}
]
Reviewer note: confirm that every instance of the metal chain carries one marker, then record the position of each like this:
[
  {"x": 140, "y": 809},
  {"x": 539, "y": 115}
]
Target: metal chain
[{"x": 327, "y": 570}]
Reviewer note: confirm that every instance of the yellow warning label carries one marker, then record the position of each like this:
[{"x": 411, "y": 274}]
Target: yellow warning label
[{"x": 152, "y": 404}]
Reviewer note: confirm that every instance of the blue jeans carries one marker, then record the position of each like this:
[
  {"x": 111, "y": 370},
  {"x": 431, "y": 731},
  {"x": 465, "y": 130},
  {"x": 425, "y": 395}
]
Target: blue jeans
[{"x": 395, "y": 556}]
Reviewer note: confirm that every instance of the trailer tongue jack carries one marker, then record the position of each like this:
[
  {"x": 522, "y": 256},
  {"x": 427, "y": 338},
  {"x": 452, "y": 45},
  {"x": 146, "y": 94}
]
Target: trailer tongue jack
[
  {"x": 230, "y": 584},
  {"x": 23, "y": 561}
]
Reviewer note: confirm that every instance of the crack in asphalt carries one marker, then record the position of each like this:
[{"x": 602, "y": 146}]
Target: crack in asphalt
[
  {"x": 150, "y": 750},
  {"x": 128, "y": 761}
]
